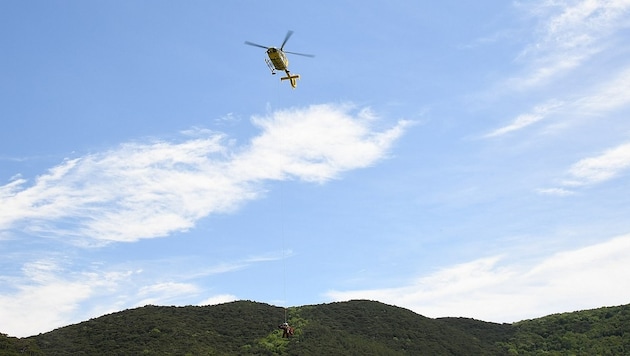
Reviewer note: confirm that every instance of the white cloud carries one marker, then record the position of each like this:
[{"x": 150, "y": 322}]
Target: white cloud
[
  {"x": 218, "y": 299},
  {"x": 47, "y": 296},
  {"x": 146, "y": 190},
  {"x": 488, "y": 40},
  {"x": 495, "y": 289},
  {"x": 228, "y": 119},
  {"x": 165, "y": 292},
  {"x": 597, "y": 169},
  {"x": 555, "y": 191},
  {"x": 571, "y": 32},
  {"x": 313, "y": 145},
  {"x": 226, "y": 267},
  {"x": 524, "y": 120},
  {"x": 609, "y": 96}
]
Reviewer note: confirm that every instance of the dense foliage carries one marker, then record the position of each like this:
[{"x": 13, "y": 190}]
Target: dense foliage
[
  {"x": 226, "y": 329},
  {"x": 13, "y": 346},
  {"x": 603, "y": 331},
  {"x": 370, "y": 328},
  {"x": 350, "y": 328}
]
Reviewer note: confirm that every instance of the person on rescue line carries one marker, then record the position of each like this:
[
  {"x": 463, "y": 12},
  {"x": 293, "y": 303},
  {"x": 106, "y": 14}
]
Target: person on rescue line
[{"x": 286, "y": 329}]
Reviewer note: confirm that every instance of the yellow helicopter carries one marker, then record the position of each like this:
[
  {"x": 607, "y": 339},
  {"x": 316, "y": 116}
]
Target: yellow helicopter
[{"x": 278, "y": 59}]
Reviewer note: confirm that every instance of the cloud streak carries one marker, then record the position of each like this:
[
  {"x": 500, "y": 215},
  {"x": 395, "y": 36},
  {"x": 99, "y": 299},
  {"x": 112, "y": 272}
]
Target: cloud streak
[
  {"x": 605, "y": 98},
  {"x": 524, "y": 120},
  {"x": 610, "y": 96},
  {"x": 489, "y": 288},
  {"x": 146, "y": 190},
  {"x": 47, "y": 296},
  {"x": 603, "y": 167},
  {"x": 598, "y": 169},
  {"x": 570, "y": 33}
]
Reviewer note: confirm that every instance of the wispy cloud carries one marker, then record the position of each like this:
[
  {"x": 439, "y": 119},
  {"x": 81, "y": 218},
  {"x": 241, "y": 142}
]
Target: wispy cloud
[
  {"x": 47, "y": 296},
  {"x": 610, "y": 95},
  {"x": 571, "y": 32},
  {"x": 218, "y": 299},
  {"x": 146, "y": 190},
  {"x": 598, "y": 169},
  {"x": 229, "y": 119},
  {"x": 226, "y": 267},
  {"x": 605, "y": 166},
  {"x": 568, "y": 34},
  {"x": 165, "y": 292},
  {"x": 524, "y": 120},
  {"x": 488, "y": 40},
  {"x": 489, "y": 288},
  {"x": 52, "y": 292},
  {"x": 561, "y": 192},
  {"x": 605, "y": 98}
]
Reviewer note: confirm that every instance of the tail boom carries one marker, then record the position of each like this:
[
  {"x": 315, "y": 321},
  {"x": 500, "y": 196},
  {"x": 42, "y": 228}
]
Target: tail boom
[{"x": 292, "y": 78}]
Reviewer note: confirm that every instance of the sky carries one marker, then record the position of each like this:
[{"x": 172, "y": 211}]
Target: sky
[{"x": 455, "y": 159}]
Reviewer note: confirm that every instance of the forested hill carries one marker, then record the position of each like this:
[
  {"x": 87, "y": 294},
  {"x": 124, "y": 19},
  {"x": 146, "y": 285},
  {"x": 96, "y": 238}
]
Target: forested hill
[{"x": 349, "y": 328}]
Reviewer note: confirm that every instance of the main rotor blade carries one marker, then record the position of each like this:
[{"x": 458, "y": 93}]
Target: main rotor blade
[
  {"x": 286, "y": 38},
  {"x": 255, "y": 45},
  {"x": 301, "y": 54}
]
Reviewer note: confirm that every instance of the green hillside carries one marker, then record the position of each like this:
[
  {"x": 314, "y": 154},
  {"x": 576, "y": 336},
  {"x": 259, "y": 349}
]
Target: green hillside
[
  {"x": 350, "y": 328},
  {"x": 603, "y": 331},
  {"x": 371, "y": 328}
]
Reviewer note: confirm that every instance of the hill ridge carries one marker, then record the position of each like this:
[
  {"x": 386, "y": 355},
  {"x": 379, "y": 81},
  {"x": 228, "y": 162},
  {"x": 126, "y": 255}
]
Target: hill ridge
[{"x": 356, "y": 327}]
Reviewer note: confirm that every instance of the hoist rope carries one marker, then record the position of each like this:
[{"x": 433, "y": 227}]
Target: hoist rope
[
  {"x": 284, "y": 257},
  {"x": 282, "y": 224}
]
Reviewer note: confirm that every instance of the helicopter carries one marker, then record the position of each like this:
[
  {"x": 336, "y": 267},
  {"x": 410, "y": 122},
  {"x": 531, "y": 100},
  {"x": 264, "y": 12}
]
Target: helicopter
[{"x": 278, "y": 60}]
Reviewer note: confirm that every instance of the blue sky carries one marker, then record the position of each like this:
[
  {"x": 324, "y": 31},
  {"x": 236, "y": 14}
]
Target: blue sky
[{"x": 454, "y": 159}]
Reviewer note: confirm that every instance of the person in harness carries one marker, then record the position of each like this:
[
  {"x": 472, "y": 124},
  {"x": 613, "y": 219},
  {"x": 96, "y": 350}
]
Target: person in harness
[{"x": 287, "y": 331}]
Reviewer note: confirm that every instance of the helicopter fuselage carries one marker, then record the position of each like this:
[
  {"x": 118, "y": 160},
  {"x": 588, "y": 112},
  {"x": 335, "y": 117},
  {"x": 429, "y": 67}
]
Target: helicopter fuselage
[{"x": 278, "y": 58}]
